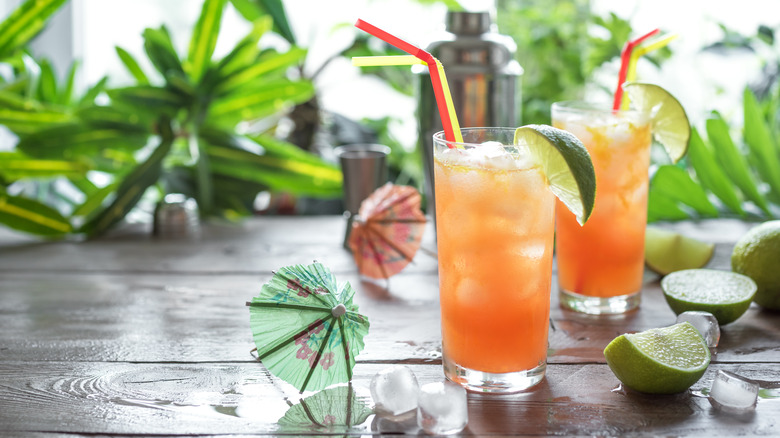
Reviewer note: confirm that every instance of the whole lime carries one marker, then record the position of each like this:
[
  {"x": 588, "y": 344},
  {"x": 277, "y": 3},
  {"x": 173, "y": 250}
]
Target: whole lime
[{"x": 756, "y": 255}]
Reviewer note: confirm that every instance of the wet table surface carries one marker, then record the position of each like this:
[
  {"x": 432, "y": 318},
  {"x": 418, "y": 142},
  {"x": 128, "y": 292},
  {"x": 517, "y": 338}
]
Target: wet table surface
[{"x": 131, "y": 335}]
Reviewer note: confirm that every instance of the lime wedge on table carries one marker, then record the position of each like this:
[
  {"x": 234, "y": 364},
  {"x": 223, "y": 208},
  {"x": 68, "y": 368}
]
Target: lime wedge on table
[
  {"x": 566, "y": 164},
  {"x": 670, "y": 124},
  {"x": 664, "y": 360},
  {"x": 667, "y": 251},
  {"x": 725, "y": 294}
]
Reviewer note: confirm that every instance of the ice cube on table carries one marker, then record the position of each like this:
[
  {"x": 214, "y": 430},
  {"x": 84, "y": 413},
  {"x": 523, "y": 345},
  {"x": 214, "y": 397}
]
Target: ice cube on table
[
  {"x": 705, "y": 323},
  {"x": 442, "y": 409},
  {"x": 733, "y": 392},
  {"x": 394, "y": 390}
]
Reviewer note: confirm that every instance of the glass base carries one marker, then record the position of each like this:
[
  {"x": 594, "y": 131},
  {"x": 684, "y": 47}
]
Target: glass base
[
  {"x": 481, "y": 381},
  {"x": 599, "y": 305}
]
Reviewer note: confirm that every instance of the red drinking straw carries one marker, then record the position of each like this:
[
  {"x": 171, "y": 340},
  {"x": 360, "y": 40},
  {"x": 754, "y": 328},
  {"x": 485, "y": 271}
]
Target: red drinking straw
[
  {"x": 625, "y": 57},
  {"x": 436, "y": 80}
]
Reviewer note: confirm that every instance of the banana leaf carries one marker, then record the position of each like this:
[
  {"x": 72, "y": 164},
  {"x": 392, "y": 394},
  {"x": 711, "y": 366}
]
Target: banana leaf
[
  {"x": 24, "y": 23},
  {"x": 204, "y": 38},
  {"x": 31, "y": 216}
]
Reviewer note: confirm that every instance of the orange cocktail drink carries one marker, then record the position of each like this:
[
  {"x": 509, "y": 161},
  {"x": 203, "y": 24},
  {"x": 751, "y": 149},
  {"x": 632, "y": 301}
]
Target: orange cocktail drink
[
  {"x": 600, "y": 264},
  {"x": 495, "y": 223}
]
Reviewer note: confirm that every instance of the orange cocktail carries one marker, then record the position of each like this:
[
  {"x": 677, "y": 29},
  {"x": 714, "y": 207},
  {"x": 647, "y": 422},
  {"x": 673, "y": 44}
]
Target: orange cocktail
[
  {"x": 600, "y": 264},
  {"x": 495, "y": 223}
]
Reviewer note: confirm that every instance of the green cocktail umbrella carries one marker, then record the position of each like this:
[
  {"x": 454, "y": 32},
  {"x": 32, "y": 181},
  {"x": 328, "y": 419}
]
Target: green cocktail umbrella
[{"x": 306, "y": 328}]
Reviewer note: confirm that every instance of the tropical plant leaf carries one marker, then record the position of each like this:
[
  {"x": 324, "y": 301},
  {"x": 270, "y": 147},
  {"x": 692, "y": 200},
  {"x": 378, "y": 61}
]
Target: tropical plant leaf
[
  {"x": 159, "y": 48},
  {"x": 254, "y": 9},
  {"x": 661, "y": 207},
  {"x": 245, "y": 53},
  {"x": 132, "y": 186},
  {"x": 24, "y": 23},
  {"x": 204, "y": 38},
  {"x": 15, "y": 101},
  {"x": 113, "y": 117},
  {"x": 23, "y": 122},
  {"x": 92, "y": 93},
  {"x": 132, "y": 66},
  {"x": 254, "y": 74},
  {"x": 78, "y": 140},
  {"x": 31, "y": 216},
  {"x": 259, "y": 102},
  {"x": 66, "y": 94},
  {"x": 757, "y": 135},
  {"x": 150, "y": 98},
  {"x": 676, "y": 184},
  {"x": 710, "y": 174},
  {"x": 47, "y": 83},
  {"x": 15, "y": 166},
  {"x": 94, "y": 201},
  {"x": 732, "y": 161}
]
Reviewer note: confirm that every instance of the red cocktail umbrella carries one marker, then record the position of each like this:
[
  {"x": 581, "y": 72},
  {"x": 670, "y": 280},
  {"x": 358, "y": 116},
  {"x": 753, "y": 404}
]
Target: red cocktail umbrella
[{"x": 387, "y": 232}]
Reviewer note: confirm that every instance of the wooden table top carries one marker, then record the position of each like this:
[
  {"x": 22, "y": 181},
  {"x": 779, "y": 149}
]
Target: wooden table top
[{"x": 134, "y": 335}]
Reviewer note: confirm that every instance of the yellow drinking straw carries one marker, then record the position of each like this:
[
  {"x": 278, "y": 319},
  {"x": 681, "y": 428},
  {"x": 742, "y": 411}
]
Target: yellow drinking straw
[
  {"x": 636, "y": 54},
  {"x": 375, "y": 61}
]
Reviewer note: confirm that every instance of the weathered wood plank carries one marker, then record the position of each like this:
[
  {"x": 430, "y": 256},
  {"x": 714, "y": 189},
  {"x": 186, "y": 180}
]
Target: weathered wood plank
[
  {"x": 180, "y": 399},
  {"x": 197, "y": 318}
]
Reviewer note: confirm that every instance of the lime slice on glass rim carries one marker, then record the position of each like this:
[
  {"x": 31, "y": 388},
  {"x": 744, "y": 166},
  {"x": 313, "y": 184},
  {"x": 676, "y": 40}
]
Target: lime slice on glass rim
[
  {"x": 669, "y": 122},
  {"x": 725, "y": 294},
  {"x": 665, "y": 360},
  {"x": 667, "y": 251},
  {"x": 566, "y": 164}
]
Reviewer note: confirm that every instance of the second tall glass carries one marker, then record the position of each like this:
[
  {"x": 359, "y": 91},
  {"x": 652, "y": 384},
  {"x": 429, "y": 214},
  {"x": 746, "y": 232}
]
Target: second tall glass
[{"x": 600, "y": 264}]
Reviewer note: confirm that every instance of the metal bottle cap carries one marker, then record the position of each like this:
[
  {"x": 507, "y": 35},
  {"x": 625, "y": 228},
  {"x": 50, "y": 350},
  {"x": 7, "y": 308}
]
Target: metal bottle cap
[{"x": 468, "y": 23}]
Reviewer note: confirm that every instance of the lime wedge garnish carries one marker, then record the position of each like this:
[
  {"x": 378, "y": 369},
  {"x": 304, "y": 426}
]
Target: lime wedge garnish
[
  {"x": 664, "y": 360},
  {"x": 667, "y": 251},
  {"x": 669, "y": 122},
  {"x": 566, "y": 164},
  {"x": 725, "y": 294}
]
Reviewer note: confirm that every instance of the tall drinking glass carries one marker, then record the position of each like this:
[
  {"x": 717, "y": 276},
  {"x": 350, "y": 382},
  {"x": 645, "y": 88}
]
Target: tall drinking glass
[
  {"x": 600, "y": 264},
  {"x": 495, "y": 217}
]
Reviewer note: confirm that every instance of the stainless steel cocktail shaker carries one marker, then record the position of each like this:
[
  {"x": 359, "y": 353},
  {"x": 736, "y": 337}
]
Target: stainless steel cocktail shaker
[{"x": 484, "y": 79}]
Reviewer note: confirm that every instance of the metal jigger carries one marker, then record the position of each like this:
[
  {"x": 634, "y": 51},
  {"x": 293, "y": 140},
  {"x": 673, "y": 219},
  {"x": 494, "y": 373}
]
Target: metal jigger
[
  {"x": 176, "y": 217},
  {"x": 364, "y": 167}
]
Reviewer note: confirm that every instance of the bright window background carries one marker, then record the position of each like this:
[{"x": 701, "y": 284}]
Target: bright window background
[{"x": 90, "y": 29}]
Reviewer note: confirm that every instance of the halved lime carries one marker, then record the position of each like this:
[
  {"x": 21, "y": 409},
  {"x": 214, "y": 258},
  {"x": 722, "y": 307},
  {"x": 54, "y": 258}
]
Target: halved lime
[
  {"x": 664, "y": 360},
  {"x": 725, "y": 294},
  {"x": 667, "y": 251},
  {"x": 566, "y": 164},
  {"x": 670, "y": 124}
]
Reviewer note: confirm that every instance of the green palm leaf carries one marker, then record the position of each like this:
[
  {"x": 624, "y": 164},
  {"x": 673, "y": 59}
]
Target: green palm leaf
[
  {"x": 132, "y": 66},
  {"x": 253, "y": 9},
  {"x": 677, "y": 185},
  {"x": 31, "y": 216},
  {"x": 204, "y": 38},
  {"x": 159, "y": 49},
  {"x": 732, "y": 161},
  {"x": 710, "y": 174},
  {"x": 762, "y": 149},
  {"x": 15, "y": 166},
  {"x": 133, "y": 186},
  {"x": 24, "y": 23}
]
